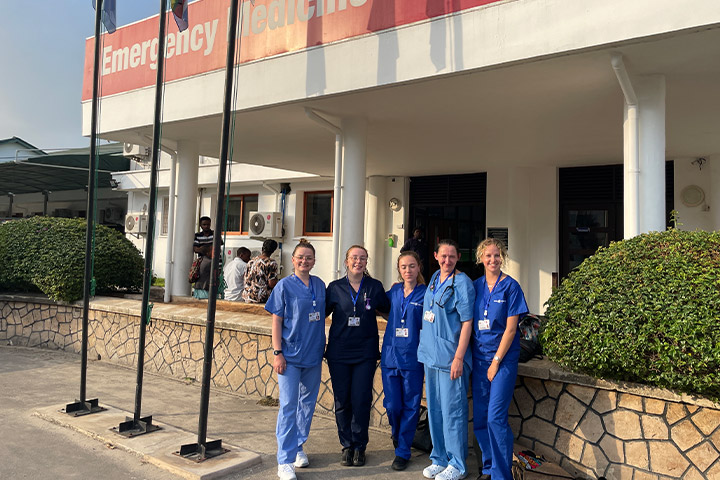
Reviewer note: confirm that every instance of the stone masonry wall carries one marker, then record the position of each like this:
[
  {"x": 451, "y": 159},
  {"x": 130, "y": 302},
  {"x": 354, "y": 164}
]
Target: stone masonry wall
[{"x": 590, "y": 427}]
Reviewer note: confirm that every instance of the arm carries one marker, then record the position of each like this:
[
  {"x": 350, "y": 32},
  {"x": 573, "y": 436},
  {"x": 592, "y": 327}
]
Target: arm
[
  {"x": 279, "y": 363},
  {"x": 505, "y": 342},
  {"x": 456, "y": 369}
]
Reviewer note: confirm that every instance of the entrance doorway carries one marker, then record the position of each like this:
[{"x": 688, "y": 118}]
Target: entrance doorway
[{"x": 449, "y": 206}]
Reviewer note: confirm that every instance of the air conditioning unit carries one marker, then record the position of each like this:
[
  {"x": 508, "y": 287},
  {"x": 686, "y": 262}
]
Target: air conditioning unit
[
  {"x": 229, "y": 253},
  {"x": 136, "y": 223},
  {"x": 132, "y": 150},
  {"x": 265, "y": 224}
]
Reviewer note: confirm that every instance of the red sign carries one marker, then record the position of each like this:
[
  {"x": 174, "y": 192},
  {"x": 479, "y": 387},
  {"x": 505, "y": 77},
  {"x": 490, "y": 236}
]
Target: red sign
[{"x": 269, "y": 27}]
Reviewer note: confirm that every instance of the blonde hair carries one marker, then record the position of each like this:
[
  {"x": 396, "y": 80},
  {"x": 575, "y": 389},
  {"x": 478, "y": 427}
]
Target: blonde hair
[
  {"x": 347, "y": 256},
  {"x": 410, "y": 253},
  {"x": 486, "y": 243}
]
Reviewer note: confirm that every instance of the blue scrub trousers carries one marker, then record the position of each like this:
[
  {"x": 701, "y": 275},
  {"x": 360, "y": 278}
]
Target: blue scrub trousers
[
  {"x": 448, "y": 417},
  {"x": 491, "y": 401},
  {"x": 403, "y": 392},
  {"x": 353, "y": 389},
  {"x": 299, "y": 387}
]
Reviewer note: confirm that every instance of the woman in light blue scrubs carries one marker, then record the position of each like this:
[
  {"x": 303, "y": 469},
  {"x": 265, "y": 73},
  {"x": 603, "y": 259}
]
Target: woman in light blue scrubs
[
  {"x": 402, "y": 374},
  {"x": 444, "y": 338},
  {"x": 499, "y": 303},
  {"x": 297, "y": 304}
]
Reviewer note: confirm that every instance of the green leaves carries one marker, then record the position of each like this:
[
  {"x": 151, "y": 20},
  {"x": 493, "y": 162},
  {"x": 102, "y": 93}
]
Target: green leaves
[
  {"x": 48, "y": 254},
  {"x": 644, "y": 310}
]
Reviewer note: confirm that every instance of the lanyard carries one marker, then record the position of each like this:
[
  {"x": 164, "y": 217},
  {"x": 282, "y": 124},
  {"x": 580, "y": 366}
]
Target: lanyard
[
  {"x": 312, "y": 289},
  {"x": 355, "y": 298},
  {"x": 441, "y": 285},
  {"x": 489, "y": 297},
  {"x": 405, "y": 303}
]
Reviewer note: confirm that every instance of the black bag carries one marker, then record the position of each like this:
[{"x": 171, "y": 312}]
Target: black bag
[
  {"x": 530, "y": 348},
  {"x": 422, "y": 440}
]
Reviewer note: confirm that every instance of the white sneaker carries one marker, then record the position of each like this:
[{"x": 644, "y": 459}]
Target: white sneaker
[
  {"x": 301, "y": 460},
  {"x": 450, "y": 473},
  {"x": 432, "y": 471},
  {"x": 286, "y": 471}
]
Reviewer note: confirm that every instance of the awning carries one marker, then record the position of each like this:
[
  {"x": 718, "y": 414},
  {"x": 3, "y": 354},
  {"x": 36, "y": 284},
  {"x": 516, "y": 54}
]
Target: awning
[{"x": 64, "y": 170}]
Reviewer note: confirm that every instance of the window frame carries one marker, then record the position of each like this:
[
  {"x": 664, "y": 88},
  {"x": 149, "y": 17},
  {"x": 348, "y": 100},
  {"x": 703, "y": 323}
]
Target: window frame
[
  {"x": 305, "y": 232},
  {"x": 242, "y": 196}
]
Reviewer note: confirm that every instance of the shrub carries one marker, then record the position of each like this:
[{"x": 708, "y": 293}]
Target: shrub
[
  {"x": 643, "y": 310},
  {"x": 48, "y": 254}
]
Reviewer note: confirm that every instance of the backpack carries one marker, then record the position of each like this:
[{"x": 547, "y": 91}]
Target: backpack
[
  {"x": 194, "y": 272},
  {"x": 529, "y": 327}
]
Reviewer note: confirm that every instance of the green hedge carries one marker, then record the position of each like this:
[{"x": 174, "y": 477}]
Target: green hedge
[
  {"x": 643, "y": 310},
  {"x": 48, "y": 254}
]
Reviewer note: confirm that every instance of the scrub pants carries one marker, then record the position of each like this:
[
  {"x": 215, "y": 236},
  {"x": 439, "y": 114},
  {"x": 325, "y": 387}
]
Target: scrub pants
[
  {"x": 448, "y": 417},
  {"x": 491, "y": 401},
  {"x": 403, "y": 391},
  {"x": 299, "y": 389},
  {"x": 352, "y": 386}
]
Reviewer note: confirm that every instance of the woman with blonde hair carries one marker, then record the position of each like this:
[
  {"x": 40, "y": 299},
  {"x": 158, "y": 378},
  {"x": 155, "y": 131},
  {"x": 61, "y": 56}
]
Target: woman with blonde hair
[
  {"x": 402, "y": 374},
  {"x": 353, "y": 351},
  {"x": 499, "y": 303}
]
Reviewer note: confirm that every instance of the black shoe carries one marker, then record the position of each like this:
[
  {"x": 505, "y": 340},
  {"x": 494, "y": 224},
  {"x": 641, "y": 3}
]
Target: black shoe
[
  {"x": 359, "y": 458},
  {"x": 347, "y": 457},
  {"x": 400, "y": 463},
  {"x": 484, "y": 476}
]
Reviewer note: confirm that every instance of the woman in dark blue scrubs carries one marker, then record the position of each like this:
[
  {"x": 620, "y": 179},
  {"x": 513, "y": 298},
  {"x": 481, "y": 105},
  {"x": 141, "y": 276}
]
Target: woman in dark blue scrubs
[
  {"x": 499, "y": 303},
  {"x": 353, "y": 351},
  {"x": 402, "y": 374}
]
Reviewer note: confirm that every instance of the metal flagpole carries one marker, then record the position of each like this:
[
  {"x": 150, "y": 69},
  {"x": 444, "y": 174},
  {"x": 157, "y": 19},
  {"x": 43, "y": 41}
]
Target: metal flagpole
[
  {"x": 83, "y": 406},
  {"x": 139, "y": 425},
  {"x": 203, "y": 449}
]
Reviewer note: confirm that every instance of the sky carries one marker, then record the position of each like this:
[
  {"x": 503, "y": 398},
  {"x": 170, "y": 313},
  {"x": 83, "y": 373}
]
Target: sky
[{"x": 42, "y": 50}]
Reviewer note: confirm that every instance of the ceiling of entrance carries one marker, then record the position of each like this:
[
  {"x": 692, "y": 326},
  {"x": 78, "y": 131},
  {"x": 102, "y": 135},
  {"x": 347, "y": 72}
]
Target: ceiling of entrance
[{"x": 561, "y": 111}]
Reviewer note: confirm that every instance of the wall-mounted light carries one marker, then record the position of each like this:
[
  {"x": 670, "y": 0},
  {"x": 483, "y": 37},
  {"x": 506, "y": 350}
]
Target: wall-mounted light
[{"x": 394, "y": 204}]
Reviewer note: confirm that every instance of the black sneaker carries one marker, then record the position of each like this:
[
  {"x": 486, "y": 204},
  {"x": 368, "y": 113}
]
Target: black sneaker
[
  {"x": 400, "y": 463},
  {"x": 347, "y": 457},
  {"x": 359, "y": 458}
]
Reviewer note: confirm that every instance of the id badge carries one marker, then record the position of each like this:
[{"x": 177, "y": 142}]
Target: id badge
[
  {"x": 402, "y": 332},
  {"x": 484, "y": 324},
  {"x": 314, "y": 316},
  {"x": 429, "y": 316},
  {"x": 353, "y": 321}
]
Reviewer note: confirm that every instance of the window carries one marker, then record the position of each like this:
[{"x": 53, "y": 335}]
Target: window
[
  {"x": 238, "y": 212},
  {"x": 317, "y": 217},
  {"x": 164, "y": 216}
]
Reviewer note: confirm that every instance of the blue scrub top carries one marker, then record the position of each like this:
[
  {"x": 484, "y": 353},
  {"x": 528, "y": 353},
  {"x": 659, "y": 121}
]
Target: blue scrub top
[
  {"x": 401, "y": 352},
  {"x": 348, "y": 344},
  {"x": 507, "y": 299},
  {"x": 303, "y": 341},
  {"x": 439, "y": 339}
]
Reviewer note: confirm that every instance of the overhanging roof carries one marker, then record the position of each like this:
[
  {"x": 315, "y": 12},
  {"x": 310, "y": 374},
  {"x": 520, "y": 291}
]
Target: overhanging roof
[{"x": 64, "y": 170}]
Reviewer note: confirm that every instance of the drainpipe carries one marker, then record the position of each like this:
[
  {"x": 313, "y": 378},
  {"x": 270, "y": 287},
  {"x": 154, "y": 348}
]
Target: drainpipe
[
  {"x": 170, "y": 244},
  {"x": 278, "y": 208},
  {"x": 631, "y": 150},
  {"x": 337, "y": 187}
]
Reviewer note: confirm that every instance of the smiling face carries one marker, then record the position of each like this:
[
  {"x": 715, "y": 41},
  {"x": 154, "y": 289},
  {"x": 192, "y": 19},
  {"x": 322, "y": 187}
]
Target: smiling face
[
  {"x": 447, "y": 257},
  {"x": 408, "y": 269},
  {"x": 303, "y": 260},
  {"x": 492, "y": 259},
  {"x": 356, "y": 260}
]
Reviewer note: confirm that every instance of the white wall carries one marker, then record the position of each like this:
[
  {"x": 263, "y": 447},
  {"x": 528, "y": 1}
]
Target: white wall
[{"x": 701, "y": 217}]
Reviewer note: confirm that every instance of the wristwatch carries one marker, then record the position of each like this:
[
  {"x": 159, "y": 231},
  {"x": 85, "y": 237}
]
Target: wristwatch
[
  {"x": 496, "y": 359},
  {"x": 277, "y": 352}
]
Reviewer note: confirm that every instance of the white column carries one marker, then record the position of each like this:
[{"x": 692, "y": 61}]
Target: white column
[
  {"x": 187, "y": 186},
  {"x": 352, "y": 215},
  {"x": 651, "y": 129},
  {"x": 714, "y": 193},
  {"x": 375, "y": 216}
]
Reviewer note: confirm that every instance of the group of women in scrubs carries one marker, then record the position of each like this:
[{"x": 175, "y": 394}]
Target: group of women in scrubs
[{"x": 447, "y": 332}]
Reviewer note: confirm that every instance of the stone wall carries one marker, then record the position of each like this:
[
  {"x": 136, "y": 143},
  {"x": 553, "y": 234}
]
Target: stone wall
[{"x": 590, "y": 427}]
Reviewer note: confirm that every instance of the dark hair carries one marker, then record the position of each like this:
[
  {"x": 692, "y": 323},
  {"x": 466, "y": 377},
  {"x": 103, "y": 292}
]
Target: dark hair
[
  {"x": 410, "y": 253},
  {"x": 303, "y": 243},
  {"x": 449, "y": 242},
  {"x": 202, "y": 219},
  {"x": 269, "y": 246},
  {"x": 242, "y": 251}
]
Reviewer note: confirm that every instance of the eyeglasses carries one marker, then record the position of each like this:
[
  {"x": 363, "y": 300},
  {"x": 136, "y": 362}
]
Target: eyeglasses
[
  {"x": 355, "y": 258},
  {"x": 308, "y": 258}
]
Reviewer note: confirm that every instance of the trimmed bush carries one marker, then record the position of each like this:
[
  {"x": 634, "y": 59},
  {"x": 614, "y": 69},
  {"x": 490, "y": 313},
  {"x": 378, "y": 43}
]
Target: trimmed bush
[
  {"x": 48, "y": 254},
  {"x": 643, "y": 310}
]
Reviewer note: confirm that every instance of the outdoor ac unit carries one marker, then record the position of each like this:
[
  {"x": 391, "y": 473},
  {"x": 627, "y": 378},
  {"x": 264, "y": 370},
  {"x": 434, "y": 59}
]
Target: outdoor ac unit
[
  {"x": 265, "y": 224},
  {"x": 132, "y": 150},
  {"x": 136, "y": 223},
  {"x": 229, "y": 253}
]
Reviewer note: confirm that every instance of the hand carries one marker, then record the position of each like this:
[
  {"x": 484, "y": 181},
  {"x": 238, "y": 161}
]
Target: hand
[
  {"x": 456, "y": 369},
  {"x": 279, "y": 364},
  {"x": 492, "y": 370}
]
